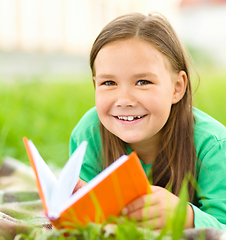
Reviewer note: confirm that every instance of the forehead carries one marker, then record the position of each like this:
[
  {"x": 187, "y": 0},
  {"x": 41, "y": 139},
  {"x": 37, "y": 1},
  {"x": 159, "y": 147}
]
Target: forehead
[
  {"x": 132, "y": 51},
  {"x": 132, "y": 45}
]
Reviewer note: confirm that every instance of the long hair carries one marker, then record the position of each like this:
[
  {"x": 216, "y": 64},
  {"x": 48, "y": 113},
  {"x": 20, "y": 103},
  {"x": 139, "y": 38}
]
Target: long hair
[{"x": 176, "y": 155}]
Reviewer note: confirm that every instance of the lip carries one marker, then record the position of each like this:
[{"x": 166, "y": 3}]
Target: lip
[{"x": 137, "y": 120}]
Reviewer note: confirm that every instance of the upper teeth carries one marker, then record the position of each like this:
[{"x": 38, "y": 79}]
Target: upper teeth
[{"x": 129, "y": 118}]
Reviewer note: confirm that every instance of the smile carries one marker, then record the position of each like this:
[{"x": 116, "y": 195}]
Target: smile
[{"x": 129, "y": 118}]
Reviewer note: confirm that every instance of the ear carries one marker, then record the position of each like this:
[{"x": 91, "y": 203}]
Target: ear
[
  {"x": 94, "y": 81},
  {"x": 180, "y": 84}
]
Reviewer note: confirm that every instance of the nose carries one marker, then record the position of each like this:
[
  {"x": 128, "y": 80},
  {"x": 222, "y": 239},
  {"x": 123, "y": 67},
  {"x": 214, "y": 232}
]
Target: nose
[{"x": 125, "y": 99}]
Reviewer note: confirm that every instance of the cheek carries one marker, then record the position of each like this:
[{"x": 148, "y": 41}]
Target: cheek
[
  {"x": 102, "y": 102},
  {"x": 150, "y": 100},
  {"x": 103, "y": 106},
  {"x": 158, "y": 102}
]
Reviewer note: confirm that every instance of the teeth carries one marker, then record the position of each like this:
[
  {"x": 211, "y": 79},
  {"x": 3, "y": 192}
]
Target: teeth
[{"x": 129, "y": 118}]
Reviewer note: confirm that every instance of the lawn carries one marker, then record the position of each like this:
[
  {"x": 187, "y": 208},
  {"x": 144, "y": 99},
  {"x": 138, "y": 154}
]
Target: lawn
[
  {"x": 46, "y": 111},
  {"x": 210, "y": 95}
]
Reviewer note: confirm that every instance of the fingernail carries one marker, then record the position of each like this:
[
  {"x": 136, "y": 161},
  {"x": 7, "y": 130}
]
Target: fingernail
[{"x": 124, "y": 211}]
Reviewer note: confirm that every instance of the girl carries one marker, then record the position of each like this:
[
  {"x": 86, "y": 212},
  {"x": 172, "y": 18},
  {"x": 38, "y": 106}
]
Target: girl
[{"x": 144, "y": 104}]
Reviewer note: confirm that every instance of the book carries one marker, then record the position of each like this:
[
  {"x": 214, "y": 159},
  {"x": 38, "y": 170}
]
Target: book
[{"x": 104, "y": 196}]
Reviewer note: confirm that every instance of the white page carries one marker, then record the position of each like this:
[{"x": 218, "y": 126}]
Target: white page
[
  {"x": 68, "y": 179},
  {"x": 46, "y": 177},
  {"x": 90, "y": 185}
]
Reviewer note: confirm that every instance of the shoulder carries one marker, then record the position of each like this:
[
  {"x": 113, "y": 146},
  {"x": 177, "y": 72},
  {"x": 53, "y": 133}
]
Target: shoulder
[
  {"x": 88, "y": 128},
  {"x": 88, "y": 122},
  {"x": 208, "y": 127},
  {"x": 208, "y": 132}
]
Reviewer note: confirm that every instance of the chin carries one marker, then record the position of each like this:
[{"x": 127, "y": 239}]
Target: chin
[{"x": 130, "y": 140}]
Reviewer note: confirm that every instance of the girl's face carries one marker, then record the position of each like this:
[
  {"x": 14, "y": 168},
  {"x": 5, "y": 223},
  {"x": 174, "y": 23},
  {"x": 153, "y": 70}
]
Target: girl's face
[{"x": 135, "y": 89}]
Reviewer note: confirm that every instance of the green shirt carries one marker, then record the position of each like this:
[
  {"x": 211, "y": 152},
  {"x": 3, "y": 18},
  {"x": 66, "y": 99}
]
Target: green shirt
[{"x": 210, "y": 142}]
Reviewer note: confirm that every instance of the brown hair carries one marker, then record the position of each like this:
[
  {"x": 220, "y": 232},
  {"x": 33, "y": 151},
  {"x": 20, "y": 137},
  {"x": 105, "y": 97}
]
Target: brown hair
[{"x": 176, "y": 155}]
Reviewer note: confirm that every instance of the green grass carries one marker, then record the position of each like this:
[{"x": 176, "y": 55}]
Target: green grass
[
  {"x": 47, "y": 110},
  {"x": 210, "y": 95},
  {"x": 44, "y": 111},
  {"x": 122, "y": 228}
]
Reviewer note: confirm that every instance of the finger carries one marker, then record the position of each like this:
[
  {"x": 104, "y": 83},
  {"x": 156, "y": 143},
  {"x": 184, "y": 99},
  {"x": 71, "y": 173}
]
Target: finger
[
  {"x": 143, "y": 214},
  {"x": 163, "y": 208},
  {"x": 138, "y": 203},
  {"x": 146, "y": 200},
  {"x": 155, "y": 189},
  {"x": 162, "y": 196},
  {"x": 156, "y": 224},
  {"x": 80, "y": 184}
]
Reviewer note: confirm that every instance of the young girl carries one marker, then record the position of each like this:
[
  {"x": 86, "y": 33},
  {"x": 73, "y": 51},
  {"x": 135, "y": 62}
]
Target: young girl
[{"x": 144, "y": 104}]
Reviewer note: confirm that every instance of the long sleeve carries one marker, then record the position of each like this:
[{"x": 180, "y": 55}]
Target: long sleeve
[
  {"x": 205, "y": 220},
  {"x": 210, "y": 209}
]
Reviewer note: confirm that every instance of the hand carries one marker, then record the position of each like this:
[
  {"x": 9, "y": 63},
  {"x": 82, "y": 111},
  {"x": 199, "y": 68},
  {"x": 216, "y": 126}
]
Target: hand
[
  {"x": 79, "y": 184},
  {"x": 154, "y": 209}
]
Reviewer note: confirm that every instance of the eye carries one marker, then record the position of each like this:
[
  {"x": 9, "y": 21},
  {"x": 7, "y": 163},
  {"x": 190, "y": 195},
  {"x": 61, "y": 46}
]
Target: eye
[
  {"x": 109, "y": 83},
  {"x": 143, "y": 82}
]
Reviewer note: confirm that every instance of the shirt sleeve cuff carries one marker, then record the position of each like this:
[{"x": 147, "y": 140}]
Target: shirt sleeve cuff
[{"x": 205, "y": 220}]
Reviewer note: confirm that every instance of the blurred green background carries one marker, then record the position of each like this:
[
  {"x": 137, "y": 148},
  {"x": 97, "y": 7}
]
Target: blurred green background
[
  {"x": 46, "y": 110},
  {"x": 45, "y": 81}
]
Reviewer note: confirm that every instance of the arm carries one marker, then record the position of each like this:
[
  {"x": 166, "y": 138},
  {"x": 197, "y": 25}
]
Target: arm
[
  {"x": 209, "y": 210},
  {"x": 210, "y": 207},
  {"x": 205, "y": 220}
]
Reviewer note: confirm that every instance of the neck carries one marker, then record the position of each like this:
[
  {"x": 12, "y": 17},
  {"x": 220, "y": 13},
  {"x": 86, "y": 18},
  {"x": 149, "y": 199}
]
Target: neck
[{"x": 147, "y": 152}]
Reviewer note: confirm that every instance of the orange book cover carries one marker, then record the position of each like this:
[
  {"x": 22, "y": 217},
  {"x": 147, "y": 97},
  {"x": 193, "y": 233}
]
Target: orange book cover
[{"x": 104, "y": 196}]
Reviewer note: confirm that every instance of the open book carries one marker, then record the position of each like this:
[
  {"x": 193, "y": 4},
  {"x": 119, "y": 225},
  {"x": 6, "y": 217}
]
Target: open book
[{"x": 105, "y": 195}]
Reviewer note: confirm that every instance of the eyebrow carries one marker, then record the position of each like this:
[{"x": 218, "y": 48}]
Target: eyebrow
[
  {"x": 141, "y": 75},
  {"x": 138, "y": 75},
  {"x": 105, "y": 76}
]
